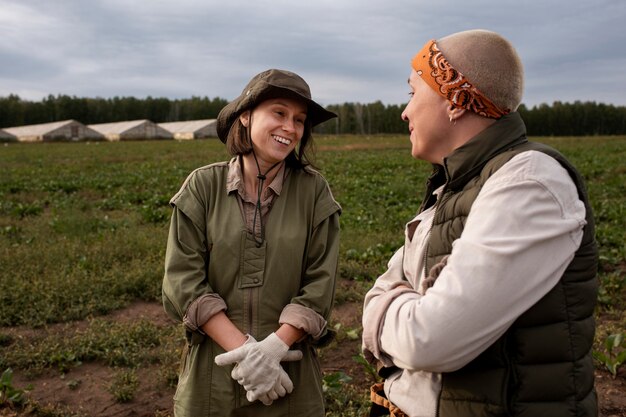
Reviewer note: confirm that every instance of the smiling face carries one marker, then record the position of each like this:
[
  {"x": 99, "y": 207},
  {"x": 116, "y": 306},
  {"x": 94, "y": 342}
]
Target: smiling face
[
  {"x": 426, "y": 114},
  {"x": 277, "y": 127}
]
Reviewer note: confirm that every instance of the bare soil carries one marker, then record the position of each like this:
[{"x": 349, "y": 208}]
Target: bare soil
[{"x": 83, "y": 390}]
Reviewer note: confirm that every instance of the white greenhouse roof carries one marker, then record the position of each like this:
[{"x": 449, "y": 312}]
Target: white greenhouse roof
[
  {"x": 187, "y": 126},
  {"x": 38, "y": 129},
  {"x": 118, "y": 127}
]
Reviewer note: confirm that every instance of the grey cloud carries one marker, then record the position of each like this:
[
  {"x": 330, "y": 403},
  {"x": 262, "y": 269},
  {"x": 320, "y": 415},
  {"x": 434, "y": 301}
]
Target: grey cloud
[{"x": 348, "y": 50}]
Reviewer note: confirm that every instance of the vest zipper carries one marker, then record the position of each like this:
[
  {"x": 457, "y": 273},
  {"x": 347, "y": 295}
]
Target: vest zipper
[
  {"x": 425, "y": 256},
  {"x": 437, "y": 407},
  {"x": 437, "y": 203}
]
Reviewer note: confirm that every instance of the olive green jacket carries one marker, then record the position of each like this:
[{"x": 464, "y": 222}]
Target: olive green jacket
[{"x": 211, "y": 252}]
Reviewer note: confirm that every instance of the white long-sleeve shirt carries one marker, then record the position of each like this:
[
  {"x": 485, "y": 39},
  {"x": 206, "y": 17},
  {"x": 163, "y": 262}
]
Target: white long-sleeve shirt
[{"x": 520, "y": 235}]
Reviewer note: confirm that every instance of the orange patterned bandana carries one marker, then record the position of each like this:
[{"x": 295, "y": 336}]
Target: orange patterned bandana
[{"x": 434, "y": 68}]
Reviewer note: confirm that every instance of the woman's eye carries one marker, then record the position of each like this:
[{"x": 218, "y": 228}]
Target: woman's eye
[{"x": 411, "y": 94}]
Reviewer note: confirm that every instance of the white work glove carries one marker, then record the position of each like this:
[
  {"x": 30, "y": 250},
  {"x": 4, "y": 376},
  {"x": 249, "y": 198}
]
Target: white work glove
[
  {"x": 258, "y": 367},
  {"x": 282, "y": 386}
]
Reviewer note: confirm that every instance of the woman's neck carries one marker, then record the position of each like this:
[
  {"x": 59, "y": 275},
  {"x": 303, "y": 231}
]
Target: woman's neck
[{"x": 250, "y": 173}]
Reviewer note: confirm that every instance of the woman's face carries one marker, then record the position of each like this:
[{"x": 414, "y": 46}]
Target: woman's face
[
  {"x": 277, "y": 127},
  {"x": 428, "y": 121}
]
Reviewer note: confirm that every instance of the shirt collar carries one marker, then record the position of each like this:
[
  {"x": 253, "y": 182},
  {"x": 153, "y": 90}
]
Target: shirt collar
[{"x": 234, "y": 180}]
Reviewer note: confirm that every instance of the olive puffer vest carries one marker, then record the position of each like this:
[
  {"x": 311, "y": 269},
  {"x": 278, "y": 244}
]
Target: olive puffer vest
[{"x": 542, "y": 365}]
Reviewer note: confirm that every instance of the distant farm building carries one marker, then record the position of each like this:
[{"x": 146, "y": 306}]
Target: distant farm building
[
  {"x": 192, "y": 129},
  {"x": 7, "y": 137},
  {"x": 57, "y": 131},
  {"x": 131, "y": 130}
]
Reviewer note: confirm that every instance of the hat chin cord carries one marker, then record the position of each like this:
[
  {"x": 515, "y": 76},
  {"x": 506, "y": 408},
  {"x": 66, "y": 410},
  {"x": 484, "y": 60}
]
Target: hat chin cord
[{"x": 261, "y": 177}]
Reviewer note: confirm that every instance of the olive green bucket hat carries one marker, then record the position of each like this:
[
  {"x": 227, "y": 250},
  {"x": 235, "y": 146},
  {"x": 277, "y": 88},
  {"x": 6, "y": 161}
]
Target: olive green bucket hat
[{"x": 273, "y": 83}]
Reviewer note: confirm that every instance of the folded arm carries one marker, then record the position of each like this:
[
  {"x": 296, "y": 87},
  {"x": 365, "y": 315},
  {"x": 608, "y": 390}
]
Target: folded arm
[{"x": 519, "y": 237}]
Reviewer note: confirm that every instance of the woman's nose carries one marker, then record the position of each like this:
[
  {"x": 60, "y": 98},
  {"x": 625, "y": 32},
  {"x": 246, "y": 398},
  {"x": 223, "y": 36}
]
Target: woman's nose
[{"x": 289, "y": 126}]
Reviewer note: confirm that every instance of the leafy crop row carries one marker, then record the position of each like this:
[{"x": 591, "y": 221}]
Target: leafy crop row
[{"x": 83, "y": 230}]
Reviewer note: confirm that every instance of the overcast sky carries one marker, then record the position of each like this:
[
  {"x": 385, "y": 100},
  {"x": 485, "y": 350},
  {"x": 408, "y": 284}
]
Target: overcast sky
[{"x": 348, "y": 50}]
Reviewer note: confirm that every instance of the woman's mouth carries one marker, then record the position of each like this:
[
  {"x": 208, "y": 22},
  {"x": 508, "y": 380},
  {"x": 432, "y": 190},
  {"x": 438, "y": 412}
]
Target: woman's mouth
[{"x": 282, "y": 140}]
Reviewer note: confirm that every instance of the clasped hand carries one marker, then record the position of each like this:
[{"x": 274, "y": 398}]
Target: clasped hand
[{"x": 258, "y": 367}]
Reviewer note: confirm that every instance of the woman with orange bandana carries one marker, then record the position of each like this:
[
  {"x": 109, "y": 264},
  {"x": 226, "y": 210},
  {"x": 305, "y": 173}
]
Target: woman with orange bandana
[{"x": 487, "y": 309}]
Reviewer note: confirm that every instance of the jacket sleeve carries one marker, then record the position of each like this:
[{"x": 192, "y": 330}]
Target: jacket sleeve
[
  {"x": 187, "y": 295},
  {"x": 502, "y": 264},
  {"x": 386, "y": 289},
  {"x": 310, "y": 309}
]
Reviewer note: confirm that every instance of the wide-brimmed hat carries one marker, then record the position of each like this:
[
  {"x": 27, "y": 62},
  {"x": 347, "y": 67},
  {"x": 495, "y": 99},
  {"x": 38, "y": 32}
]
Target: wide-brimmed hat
[{"x": 273, "y": 83}]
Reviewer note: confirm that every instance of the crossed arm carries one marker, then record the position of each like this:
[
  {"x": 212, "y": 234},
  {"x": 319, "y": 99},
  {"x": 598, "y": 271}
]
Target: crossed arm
[{"x": 519, "y": 237}]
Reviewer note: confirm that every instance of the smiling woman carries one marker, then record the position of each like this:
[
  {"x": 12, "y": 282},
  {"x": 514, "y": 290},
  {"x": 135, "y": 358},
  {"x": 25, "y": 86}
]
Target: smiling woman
[
  {"x": 277, "y": 129},
  {"x": 252, "y": 254}
]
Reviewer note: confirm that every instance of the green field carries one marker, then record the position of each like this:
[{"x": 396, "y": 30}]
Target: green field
[{"x": 83, "y": 228}]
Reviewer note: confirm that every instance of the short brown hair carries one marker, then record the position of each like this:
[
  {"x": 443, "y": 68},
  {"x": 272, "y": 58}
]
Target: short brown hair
[{"x": 490, "y": 62}]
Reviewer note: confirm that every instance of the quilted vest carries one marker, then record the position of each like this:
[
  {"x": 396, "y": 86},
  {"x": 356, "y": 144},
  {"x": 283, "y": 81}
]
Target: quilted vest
[{"x": 542, "y": 365}]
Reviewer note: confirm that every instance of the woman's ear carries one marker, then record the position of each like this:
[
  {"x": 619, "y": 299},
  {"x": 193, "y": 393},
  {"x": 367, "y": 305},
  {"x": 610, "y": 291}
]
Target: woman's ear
[
  {"x": 455, "y": 113},
  {"x": 244, "y": 118}
]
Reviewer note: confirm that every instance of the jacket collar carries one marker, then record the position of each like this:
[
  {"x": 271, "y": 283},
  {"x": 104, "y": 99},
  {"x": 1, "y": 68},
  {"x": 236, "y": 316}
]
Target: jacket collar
[{"x": 468, "y": 160}]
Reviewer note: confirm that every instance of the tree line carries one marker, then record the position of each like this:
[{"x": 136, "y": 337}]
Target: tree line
[
  {"x": 17, "y": 112},
  {"x": 559, "y": 119}
]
